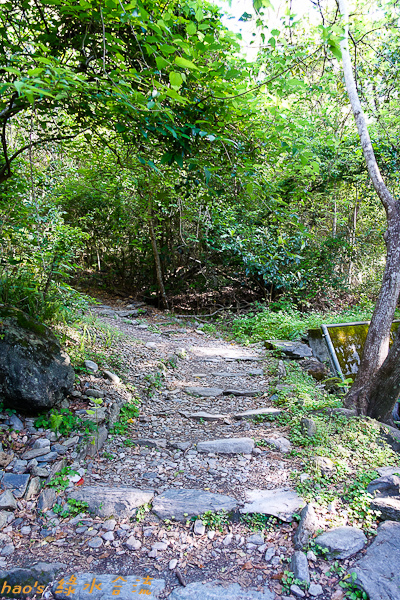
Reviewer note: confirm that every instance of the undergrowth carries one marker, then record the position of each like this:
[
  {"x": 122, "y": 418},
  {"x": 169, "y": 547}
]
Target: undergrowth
[
  {"x": 290, "y": 323},
  {"x": 354, "y": 446}
]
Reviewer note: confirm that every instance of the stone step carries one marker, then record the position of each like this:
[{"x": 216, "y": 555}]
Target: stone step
[
  {"x": 252, "y": 372},
  {"x": 106, "y": 501},
  {"x": 280, "y": 502},
  {"x": 184, "y": 504},
  {"x": 205, "y": 416},
  {"x": 219, "y": 591},
  {"x": 214, "y": 392},
  {"x": 258, "y": 412},
  {"x": 239, "y": 393},
  {"x": 248, "y": 358},
  {"x": 204, "y": 392},
  {"x": 227, "y": 446}
]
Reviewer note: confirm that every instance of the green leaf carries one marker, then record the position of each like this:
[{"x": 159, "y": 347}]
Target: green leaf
[
  {"x": 175, "y": 80},
  {"x": 199, "y": 14},
  {"x": 18, "y": 86},
  {"x": 167, "y": 49},
  {"x": 185, "y": 64},
  {"x": 12, "y": 70},
  {"x": 179, "y": 160},
  {"x": 191, "y": 28},
  {"x": 167, "y": 158},
  {"x": 259, "y": 4},
  {"x": 161, "y": 62},
  {"x": 335, "y": 49},
  {"x": 153, "y": 166}
]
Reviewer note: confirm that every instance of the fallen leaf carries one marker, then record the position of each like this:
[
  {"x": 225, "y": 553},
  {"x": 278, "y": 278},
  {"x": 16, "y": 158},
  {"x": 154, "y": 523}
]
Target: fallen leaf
[
  {"x": 80, "y": 482},
  {"x": 247, "y": 566},
  {"x": 90, "y": 559}
]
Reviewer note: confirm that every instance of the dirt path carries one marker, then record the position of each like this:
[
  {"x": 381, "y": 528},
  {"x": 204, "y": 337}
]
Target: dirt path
[{"x": 194, "y": 449}]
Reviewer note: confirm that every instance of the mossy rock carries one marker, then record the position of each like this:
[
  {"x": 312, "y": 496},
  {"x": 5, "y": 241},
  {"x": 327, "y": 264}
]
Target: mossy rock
[{"x": 35, "y": 373}]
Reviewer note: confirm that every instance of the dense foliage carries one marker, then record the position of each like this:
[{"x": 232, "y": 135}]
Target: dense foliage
[{"x": 143, "y": 151}]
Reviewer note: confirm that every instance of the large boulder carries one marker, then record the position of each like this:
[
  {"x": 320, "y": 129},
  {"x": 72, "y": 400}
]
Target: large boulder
[
  {"x": 377, "y": 571},
  {"x": 35, "y": 373}
]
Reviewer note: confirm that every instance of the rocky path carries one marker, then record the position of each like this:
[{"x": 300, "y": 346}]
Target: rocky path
[{"x": 201, "y": 445}]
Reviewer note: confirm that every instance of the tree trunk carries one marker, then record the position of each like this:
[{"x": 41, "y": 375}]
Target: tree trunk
[
  {"x": 160, "y": 281},
  {"x": 385, "y": 387},
  {"x": 334, "y": 224},
  {"x": 364, "y": 393},
  {"x": 353, "y": 237}
]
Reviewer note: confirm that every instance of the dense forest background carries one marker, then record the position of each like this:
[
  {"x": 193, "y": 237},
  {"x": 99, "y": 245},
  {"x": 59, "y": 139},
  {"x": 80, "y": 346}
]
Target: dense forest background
[{"x": 145, "y": 154}]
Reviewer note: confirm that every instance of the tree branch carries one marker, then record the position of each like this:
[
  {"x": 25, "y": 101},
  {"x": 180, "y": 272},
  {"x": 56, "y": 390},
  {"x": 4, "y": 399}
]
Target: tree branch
[
  {"x": 256, "y": 87},
  {"x": 3, "y": 168},
  {"x": 359, "y": 117}
]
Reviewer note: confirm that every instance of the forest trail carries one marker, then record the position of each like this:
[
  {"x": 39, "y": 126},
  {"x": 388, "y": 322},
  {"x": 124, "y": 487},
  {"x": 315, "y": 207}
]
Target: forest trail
[{"x": 200, "y": 445}]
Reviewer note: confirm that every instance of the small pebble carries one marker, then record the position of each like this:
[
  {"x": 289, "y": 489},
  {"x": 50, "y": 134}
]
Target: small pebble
[
  {"x": 95, "y": 542},
  {"x": 315, "y": 589}
]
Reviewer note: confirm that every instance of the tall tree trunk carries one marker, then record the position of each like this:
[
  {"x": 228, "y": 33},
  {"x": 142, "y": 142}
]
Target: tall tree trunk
[
  {"x": 334, "y": 224},
  {"x": 385, "y": 386},
  {"x": 157, "y": 262},
  {"x": 353, "y": 237},
  {"x": 363, "y": 393}
]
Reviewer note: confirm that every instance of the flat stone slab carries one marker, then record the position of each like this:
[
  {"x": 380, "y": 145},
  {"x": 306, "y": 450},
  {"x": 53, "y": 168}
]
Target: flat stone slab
[
  {"x": 180, "y": 445},
  {"x": 127, "y": 313},
  {"x": 119, "y": 502},
  {"x": 183, "y": 504},
  {"x": 256, "y": 412},
  {"x": 389, "y": 485},
  {"x": 101, "y": 587},
  {"x": 388, "y": 507},
  {"x": 378, "y": 571},
  {"x": 248, "y": 393},
  {"x": 227, "y": 374},
  {"x": 204, "y": 392},
  {"x": 387, "y": 471},
  {"x": 294, "y": 350},
  {"x": 342, "y": 542},
  {"x": 16, "y": 483},
  {"x": 217, "y": 591},
  {"x": 35, "y": 453},
  {"x": 206, "y": 416},
  {"x": 281, "y": 503},
  {"x": 248, "y": 358},
  {"x": 227, "y": 446}
]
